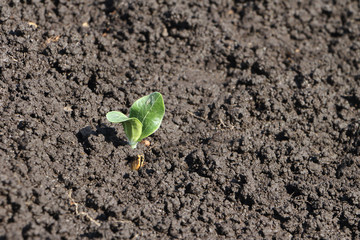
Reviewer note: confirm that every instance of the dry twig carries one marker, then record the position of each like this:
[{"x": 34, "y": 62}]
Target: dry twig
[
  {"x": 72, "y": 202},
  {"x": 197, "y": 117}
]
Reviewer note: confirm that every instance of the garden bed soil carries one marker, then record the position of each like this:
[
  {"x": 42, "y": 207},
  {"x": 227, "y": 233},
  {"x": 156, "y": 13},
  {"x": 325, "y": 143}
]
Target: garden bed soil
[{"x": 260, "y": 138}]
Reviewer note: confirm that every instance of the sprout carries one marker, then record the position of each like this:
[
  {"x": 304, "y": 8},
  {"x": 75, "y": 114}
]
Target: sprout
[{"x": 145, "y": 117}]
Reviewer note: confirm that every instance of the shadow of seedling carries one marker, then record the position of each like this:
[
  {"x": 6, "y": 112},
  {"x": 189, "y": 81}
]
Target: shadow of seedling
[{"x": 109, "y": 133}]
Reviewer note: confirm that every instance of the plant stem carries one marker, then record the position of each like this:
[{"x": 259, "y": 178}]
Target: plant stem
[{"x": 133, "y": 145}]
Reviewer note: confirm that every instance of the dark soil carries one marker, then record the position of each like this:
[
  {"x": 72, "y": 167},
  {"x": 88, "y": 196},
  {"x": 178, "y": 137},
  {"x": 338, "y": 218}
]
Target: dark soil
[{"x": 261, "y": 136}]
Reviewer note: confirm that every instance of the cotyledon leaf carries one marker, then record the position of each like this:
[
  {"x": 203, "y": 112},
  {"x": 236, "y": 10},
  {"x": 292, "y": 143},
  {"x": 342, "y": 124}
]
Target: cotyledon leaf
[
  {"x": 150, "y": 111},
  {"x": 132, "y": 126}
]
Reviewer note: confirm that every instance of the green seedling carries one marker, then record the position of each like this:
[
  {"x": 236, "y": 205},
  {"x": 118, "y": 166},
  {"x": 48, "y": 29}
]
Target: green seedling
[{"x": 144, "y": 118}]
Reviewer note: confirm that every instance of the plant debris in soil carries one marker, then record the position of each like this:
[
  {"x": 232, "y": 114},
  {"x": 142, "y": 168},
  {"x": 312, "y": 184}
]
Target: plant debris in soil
[{"x": 260, "y": 139}]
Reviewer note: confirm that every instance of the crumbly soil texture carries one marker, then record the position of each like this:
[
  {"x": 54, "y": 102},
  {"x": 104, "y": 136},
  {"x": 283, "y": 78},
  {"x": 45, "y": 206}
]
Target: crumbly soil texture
[{"x": 260, "y": 139}]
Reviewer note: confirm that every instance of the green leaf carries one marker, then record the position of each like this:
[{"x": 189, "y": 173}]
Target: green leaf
[
  {"x": 145, "y": 117},
  {"x": 150, "y": 111},
  {"x": 116, "y": 117},
  {"x": 132, "y": 126}
]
